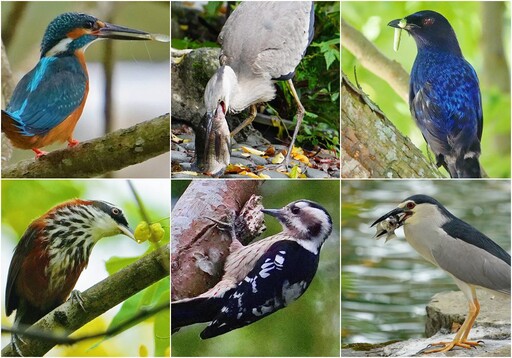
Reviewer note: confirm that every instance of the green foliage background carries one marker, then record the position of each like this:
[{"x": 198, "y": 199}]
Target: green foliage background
[
  {"x": 309, "y": 326},
  {"x": 26, "y": 200},
  {"x": 371, "y": 19}
]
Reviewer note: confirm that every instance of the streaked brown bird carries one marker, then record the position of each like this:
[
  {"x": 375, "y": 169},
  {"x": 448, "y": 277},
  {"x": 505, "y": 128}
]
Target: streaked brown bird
[{"x": 51, "y": 255}]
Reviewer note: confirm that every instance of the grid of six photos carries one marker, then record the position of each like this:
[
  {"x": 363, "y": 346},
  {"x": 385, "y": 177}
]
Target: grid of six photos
[{"x": 214, "y": 175}]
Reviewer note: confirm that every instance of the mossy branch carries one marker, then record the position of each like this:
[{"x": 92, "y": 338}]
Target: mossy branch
[
  {"x": 111, "y": 152},
  {"x": 98, "y": 299}
]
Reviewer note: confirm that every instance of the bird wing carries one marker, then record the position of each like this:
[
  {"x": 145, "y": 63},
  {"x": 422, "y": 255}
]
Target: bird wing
[
  {"x": 473, "y": 258},
  {"x": 48, "y": 94},
  {"x": 278, "y": 278},
  {"x": 24, "y": 246},
  {"x": 267, "y": 38},
  {"x": 446, "y": 103}
]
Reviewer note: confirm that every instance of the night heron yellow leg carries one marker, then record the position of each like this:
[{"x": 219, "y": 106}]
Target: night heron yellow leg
[
  {"x": 460, "y": 339},
  {"x": 300, "y": 115},
  {"x": 246, "y": 122}
]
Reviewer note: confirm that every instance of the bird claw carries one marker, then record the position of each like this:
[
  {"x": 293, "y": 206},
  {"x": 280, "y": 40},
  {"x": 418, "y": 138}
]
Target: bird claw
[
  {"x": 15, "y": 340},
  {"x": 76, "y": 296},
  {"x": 72, "y": 143},
  {"x": 39, "y": 153}
]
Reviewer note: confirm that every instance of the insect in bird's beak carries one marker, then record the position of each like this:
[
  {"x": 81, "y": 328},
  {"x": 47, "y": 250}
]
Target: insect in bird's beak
[
  {"x": 399, "y": 25},
  {"x": 110, "y": 31}
]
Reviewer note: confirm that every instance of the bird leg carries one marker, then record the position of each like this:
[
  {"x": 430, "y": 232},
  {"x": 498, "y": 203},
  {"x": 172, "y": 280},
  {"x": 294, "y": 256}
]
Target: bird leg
[
  {"x": 76, "y": 296},
  {"x": 72, "y": 142},
  {"x": 300, "y": 116},
  {"x": 246, "y": 122},
  {"x": 460, "y": 339},
  {"x": 39, "y": 153}
]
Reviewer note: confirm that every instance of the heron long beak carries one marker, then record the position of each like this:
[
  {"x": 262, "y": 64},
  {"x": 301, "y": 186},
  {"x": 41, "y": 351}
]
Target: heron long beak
[
  {"x": 395, "y": 211},
  {"x": 110, "y": 31},
  {"x": 127, "y": 231}
]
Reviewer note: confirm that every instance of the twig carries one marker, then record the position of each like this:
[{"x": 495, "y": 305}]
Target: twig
[{"x": 114, "y": 151}]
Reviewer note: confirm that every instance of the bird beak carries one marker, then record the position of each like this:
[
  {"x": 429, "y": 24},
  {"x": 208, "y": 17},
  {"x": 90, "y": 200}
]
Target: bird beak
[
  {"x": 395, "y": 211},
  {"x": 277, "y": 213},
  {"x": 126, "y": 230},
  {"x": 110, "y": 31},
  {"x": 399, "y": 25}
]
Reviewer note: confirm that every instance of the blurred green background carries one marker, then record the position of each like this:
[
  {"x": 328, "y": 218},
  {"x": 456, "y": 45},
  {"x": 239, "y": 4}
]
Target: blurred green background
[
  {"x": 386, "y": 286},
  {"x": 26, "y": 200},
  {"x": 309, "y": 326},
  {"x": 371, "y": 18}
]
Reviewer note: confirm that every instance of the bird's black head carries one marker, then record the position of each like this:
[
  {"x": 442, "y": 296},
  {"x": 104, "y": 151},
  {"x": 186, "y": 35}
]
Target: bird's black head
[
  {"x": 113, "y": 211},
  {"x": 429, "y": 29},
  {"x": 72, "y": 31}
]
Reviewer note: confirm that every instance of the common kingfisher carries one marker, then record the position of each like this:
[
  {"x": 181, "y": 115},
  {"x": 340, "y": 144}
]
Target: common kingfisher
[{"x": 48, "y": 101}]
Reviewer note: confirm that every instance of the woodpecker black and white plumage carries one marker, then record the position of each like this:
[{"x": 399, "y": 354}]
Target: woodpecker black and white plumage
[{"x": 263, "y": 277}]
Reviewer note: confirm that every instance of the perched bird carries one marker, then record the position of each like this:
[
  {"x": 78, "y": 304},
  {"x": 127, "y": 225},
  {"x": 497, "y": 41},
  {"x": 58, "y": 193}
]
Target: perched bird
[
  {"x": 52, "y": 254},
  {"x": 48, "y": 101},
  {"x": 262, "y": 42},
  {"x": 471, "y": 258},
  {"x": 263, "y": 277},
  {"x": 444, "y": 94}
]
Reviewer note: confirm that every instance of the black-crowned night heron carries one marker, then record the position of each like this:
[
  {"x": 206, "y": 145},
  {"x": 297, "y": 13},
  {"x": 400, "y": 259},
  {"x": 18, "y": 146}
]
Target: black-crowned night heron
[
  {"x": 262, "y": 41},
  {"x": 470, "y": 257}
]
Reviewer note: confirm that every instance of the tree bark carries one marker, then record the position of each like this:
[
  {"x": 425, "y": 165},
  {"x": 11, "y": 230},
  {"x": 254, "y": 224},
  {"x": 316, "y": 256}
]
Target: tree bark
[
  {"x": 199, "y": 245},
  {"x": 371, "y": 146}
]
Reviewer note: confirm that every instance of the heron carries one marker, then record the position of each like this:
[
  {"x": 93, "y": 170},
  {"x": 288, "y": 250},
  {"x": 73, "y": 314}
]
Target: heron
[{"x": 262, "y": 42}]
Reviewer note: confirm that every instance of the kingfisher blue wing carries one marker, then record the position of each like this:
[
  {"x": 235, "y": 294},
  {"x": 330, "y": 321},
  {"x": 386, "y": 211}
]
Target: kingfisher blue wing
[
  {"x": 278, "y": 278},
  {"x": 39, "y": 104}
]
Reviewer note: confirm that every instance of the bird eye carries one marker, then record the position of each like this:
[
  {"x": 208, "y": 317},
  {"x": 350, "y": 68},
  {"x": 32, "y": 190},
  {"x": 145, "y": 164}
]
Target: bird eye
[
  {"x": 295, "y": 210},
  {"x": 89, "y": 24},
  {"x": 428, "y": 21},
  {"x": 115, "y": 211},
  {"x": 410, "y": 205}
]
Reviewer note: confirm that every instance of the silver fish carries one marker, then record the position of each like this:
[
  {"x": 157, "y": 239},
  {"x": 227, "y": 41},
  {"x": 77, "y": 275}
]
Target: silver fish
[{"x": 387, "y": 227}]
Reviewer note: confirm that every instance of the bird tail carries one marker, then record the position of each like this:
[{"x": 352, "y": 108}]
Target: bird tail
[
  {"x": 466, "y": 167},
  {"x": 195, "y": 310}
]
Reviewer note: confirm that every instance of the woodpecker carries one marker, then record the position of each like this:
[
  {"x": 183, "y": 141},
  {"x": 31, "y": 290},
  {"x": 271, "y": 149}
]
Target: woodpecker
[
  {"x": 52, "y": 254},
  {"x": 263, "y": 277}
]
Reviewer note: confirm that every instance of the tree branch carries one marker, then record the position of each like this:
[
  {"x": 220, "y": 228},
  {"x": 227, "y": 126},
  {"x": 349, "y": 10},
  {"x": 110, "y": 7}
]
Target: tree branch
[
  {"x": 98, "y": 299},
  {"x": 200, "y": 247},
  {"x": 113, "y": 151},
  {"x": 372, "y": 147},
  {"x": 372, "y": 59}
]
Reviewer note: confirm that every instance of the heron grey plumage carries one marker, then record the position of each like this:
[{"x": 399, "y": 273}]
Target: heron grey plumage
[
  {"x": 262, "y": 42},
  {"x": 467, "y": 255}
]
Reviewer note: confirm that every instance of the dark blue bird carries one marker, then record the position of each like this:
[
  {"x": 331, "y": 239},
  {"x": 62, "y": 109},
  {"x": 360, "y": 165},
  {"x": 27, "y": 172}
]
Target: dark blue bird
[
  {"x": 48, "y": 101},
  {"x": 444, "y": 94}
]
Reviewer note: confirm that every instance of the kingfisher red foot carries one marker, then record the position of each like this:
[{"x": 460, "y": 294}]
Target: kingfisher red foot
[
  {"x": 52, "y": 254},
  {"x": 48, "y": 101}
]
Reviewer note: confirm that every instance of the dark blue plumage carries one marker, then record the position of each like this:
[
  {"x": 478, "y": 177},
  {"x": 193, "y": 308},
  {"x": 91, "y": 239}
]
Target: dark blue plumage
[{"x": 444, "y": 96}]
